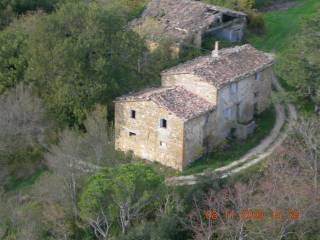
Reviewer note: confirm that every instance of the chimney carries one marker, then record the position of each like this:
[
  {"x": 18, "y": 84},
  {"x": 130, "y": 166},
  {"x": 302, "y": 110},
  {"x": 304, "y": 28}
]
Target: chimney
[{"x": 215, "y": 52}]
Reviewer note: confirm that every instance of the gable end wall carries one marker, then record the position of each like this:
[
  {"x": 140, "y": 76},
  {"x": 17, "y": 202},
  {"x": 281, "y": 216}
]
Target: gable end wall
[{"x": 146, "y": 143}]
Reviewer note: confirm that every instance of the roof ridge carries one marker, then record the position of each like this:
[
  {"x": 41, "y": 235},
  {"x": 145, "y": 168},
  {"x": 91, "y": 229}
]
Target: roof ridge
[{"x": 230, "y": 65}]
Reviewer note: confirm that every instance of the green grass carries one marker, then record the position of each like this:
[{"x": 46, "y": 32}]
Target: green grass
[
  {"x": 282, "y": 25},
  {"x": 237, "y": 149}
]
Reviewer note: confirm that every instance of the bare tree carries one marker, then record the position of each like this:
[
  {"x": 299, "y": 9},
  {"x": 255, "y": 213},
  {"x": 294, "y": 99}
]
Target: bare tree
[
  {"x": 56, "y": 212},
  {"x": 279, "y": 204},
  {"x": 98, "y": 140},
  {"x": 309, "y": 131},
  {"x": 79, "y": 153},
  {"x": 63, "y": 160},
  {"x": 22, "y": 128},
  {"x": 100, "y": 224},
  {"x": 22, "y": 119}
]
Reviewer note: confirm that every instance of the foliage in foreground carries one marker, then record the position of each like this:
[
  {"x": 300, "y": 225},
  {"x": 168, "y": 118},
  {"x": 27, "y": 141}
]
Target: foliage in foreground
[{"x": 115, "y": 199}]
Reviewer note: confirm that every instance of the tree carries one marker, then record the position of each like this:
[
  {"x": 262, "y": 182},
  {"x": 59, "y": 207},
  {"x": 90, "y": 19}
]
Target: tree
[
  {"x": 54, "y": 204},
  {"x": 309, "y": 132},
  {"x": 9, "y": 9},
  {"x": 279, "y": 203},
  {"x": 22, "y": 120},
  {"x": 12, "y": 61},
  {"x": 299, "y": 65},
  {"x": 82, "y": 55},
  {"x": 80, "y": 153},
  {"x": 119, "y": 197},
  {"x": 23, "y": 129},
  {"x": 20, "y": 219},
  {"x": 6, "y": 13}
]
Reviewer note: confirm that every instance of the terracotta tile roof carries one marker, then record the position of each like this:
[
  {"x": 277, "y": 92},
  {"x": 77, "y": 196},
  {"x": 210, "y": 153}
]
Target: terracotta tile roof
[
  {"x": 182, "y": 103},
  {"x": 231, "y": 65},
  {"x": 182, "y": 18}
]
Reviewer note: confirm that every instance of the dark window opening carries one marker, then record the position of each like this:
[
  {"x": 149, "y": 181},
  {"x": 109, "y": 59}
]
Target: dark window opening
[
  {"x": 257, "y": 76},
  {"x": 256, "y": 94},
  {"x": 227, "y": 18},
  {"x": 132, "y": 134},
  {"x": 238, "y": 112},
  {"x": 133, "y": 114},
  {"x": 256, "y": 108},
  {"x": 163, "y": 123}
]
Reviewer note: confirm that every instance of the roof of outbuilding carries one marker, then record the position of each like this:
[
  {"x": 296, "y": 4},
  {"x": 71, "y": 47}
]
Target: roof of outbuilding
[
  {"x": 180, "y": 18},
  {"x": 184, "y": 104},
  {"x": 232, "y": 64}
]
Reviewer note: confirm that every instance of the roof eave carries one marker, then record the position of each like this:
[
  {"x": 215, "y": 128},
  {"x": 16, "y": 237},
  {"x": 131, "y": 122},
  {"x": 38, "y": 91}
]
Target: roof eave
[{"x": 239, "y": 78}]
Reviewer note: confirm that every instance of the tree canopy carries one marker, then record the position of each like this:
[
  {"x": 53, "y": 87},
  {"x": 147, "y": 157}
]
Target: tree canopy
[
  {"x": 300, "y": 64},
  {"x": 12, "y": 62},
  {"x": 126, "y": 193},
  {"x": 80, "y": 55}
]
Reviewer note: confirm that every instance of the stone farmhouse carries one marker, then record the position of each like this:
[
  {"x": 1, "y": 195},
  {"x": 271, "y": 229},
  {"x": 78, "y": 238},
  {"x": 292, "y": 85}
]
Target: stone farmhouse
[
  {"x": 187, "y": 22},
  {"x": 200, "y": 103}
]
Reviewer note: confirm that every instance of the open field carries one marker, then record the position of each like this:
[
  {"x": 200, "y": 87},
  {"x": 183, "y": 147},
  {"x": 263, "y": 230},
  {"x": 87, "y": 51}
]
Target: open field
[{"x": 282, "y": 25}]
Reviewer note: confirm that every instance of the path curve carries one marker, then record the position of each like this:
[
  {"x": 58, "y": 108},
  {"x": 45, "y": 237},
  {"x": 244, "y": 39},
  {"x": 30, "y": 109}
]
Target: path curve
[{"x": 258, "y": 153}]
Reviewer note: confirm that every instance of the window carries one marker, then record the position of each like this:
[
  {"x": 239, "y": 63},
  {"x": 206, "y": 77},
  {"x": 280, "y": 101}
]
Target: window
[
  {"x": 163, "y": 123},
  {"x": 234, "y": 88},
  {"x": 238, "y": 111},
  {"x": 256, "y": 108},
  {"x": 162, "y": 144},
  {"x": 132, "y": 134},
  {"x": 257, "y": 76},
  {"x": 227, "y": 113},
  {"x": 133, "y": 114},
  {"x": 256, "y": 94}
]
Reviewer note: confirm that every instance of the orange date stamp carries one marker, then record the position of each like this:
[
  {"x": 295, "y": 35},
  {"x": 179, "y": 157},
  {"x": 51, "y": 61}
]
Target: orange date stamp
[{"x": 253, "y": 214}]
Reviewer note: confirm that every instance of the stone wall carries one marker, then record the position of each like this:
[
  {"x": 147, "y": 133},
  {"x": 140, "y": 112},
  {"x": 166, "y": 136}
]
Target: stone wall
[
  {"x": 232, "y": 31},
  {"x": 264, "y": 87},
  {"x": 199, "y": 136},
  {"x": 146, "y": 143},
  {"x": 183, "y": 142},
  {"x": 192, "y": 83},
  {"x": 241, "y": 104}
]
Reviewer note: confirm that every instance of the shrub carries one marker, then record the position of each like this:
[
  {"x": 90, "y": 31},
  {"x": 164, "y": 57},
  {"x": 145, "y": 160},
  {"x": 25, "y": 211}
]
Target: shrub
[{"x": 256, "y": 22}]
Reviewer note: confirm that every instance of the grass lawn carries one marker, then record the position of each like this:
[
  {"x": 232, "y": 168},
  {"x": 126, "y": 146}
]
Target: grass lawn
[
  {"x": 237, "y": 149},
  {"x": 282, "y": 25}
]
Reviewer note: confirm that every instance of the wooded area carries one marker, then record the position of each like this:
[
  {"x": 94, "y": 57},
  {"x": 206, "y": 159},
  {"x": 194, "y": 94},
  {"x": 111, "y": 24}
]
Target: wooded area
[{"x": 62, "y": 63}]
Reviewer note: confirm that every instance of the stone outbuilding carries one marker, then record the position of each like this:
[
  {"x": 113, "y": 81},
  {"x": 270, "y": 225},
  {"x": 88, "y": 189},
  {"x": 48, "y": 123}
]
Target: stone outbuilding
[
  {"x": 200, "y": 103},
  {"x": 187, "y": 22}
]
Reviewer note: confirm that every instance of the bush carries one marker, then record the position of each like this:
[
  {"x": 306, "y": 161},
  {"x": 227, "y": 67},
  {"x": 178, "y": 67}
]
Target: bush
[
  {"x": 12, "y": 61},
  {"x": 256, "y": 22}
]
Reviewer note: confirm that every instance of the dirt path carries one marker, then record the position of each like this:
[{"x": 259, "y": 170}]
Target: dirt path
[{"x": 255, "y": 155}]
